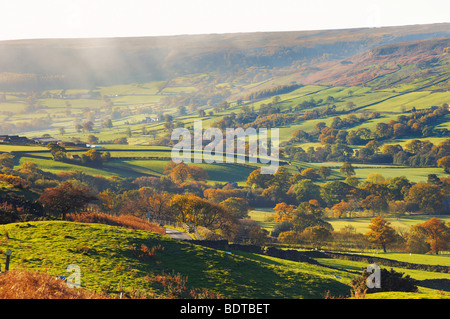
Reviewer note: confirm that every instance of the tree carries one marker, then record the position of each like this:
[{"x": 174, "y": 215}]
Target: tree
[
  {"x": 92, "y": 156},
  {"x": 192, "y": 209},
  {"x": 201, "y": 113},
  {"x": 238, "y": 206},
  {"x": 373, "y": 145},
  {"x": 88, "y": 126},
  {"x": 310, "y": 173},
  {"x": 107, "y": 124},
  {"x": 438, "y": 234},
  {"x": 375, "y": 178},
  {"x": 280, "y": 179},
  {"x": 181, "y": 110},
  {"x": 416, "y": 240},
  {"x": 58, "y": 152},
  {"x": 433, "y": 179},
  {"x": 444, "y": 162},
  {"x": 352, "y": 181},
  {"x": 429, "y": 197},
  {"x": 317, "y": 235},
  {"x": 340, "y": 209},
  {"x": 65, "y": 198},
  {"x": 159, "y": 206},
  {"x": 78, "y": 127},
  {"x": 92, "y": 139},
  {"x": 374, "y": 203},
  {"x": 398, "y": 187},
  {"x": 255, "y": 178},
  {"x": 7, "y": 160},
  {"x": 324, "y": 172},
  {"x": 334, "y": 192},
  {"x": 347, "y": 169},
  {"x": 380, "y": 232},
  {"x": 308, "y": 215},
  {"x": 181, "y": 172},
  {"x": 304, "y": 191},
  {"x": 284, "y": 212}
]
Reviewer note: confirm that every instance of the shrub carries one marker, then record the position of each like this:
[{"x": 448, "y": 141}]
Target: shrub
[
  {"x": 175, "y": 287},
  {"x": 390, "y": 281},
  {"x": 18, "y": 284},
  {"x": 281, "y": 227},
  {"x": 127, "y": 221},
  {"x": 144, "y": 253},
  {"x": 15, "y": 181},
  {"x": 289, "y": 237}
]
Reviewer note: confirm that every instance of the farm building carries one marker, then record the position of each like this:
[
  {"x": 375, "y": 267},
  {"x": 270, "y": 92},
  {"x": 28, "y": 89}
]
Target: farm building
[
  {"x": 14, "y": 139},
  {"x": 45, "y": 140}
]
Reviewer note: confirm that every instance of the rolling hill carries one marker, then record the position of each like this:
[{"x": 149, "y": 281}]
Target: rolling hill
[
  {"x": 86, "y": 63},
  {"x": 397, "y": 63},
  {"x": 107, "y": 260}
]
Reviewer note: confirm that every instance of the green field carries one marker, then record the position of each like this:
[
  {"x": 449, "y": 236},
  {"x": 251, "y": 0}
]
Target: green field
[
  {"x": 108, "y": 262},
  {"x": 264, "y": 217}
]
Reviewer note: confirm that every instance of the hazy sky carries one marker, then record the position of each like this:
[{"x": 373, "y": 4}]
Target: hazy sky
[{"x": 24, "y": 19}]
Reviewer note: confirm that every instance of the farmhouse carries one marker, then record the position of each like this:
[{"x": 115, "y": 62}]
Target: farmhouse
[
  {"x": 45, "y": 140},
  {"x": 14, "y": 139},
  {"x": 76, "y": 144}
]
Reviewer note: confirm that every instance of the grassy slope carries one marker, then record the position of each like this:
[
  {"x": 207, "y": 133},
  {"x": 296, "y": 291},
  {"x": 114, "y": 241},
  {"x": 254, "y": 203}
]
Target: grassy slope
[{"x": 52, "y": 246}]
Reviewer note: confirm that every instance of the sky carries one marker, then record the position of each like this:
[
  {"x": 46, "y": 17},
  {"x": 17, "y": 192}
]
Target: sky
[{"x": 31, "y": 19}]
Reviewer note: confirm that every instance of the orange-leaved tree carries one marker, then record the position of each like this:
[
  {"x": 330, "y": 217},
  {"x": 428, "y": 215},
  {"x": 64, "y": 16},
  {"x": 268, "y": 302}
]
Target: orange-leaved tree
[
  {"x": 438, "y": 234},
  {"x": 284, "y": 212},
  {"x": 381, "y": 232},
  {"x": 65, "y": 198}
]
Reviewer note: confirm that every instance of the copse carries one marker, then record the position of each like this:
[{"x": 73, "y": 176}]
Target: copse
[{"x": 65, "y": 198}]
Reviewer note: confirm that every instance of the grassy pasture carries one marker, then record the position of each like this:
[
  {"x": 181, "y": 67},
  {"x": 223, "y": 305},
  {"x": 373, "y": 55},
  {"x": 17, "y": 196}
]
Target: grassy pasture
[{"x": 106, "y": 260}]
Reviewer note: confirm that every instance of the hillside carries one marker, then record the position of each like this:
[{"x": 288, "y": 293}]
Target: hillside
[
  {"x": 400, "y": 63},
  {"x": 86, "y": 63},
  {"x": 107, "y": 258}
]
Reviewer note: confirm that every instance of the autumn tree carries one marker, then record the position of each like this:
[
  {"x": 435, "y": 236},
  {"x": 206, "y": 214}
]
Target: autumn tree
[
  {"x": 380, "y": 233},
  {"x": 428, "y": 197},
  {"x": 318, "y": 235},
  {"x": 65, "y": 198},
  {"x": 308, "y": 215},
  {"x": 438, "y": 234},
  {"x": 159, "y": 205},
  {"x": 374, "y": 203},
  {"x": 416, "y": 240},
  {"x": 284, "y": 212},
  {"x": 279, "y": 179},
  {"x": 444, "y": 162},
  {"x": 255, "y": 178},
  {"x": 238, "y": 206},
  {"x": 192, "y": 209},
  {"x": 180, "y": 173},
  {"x": 341, "y": 209}
]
